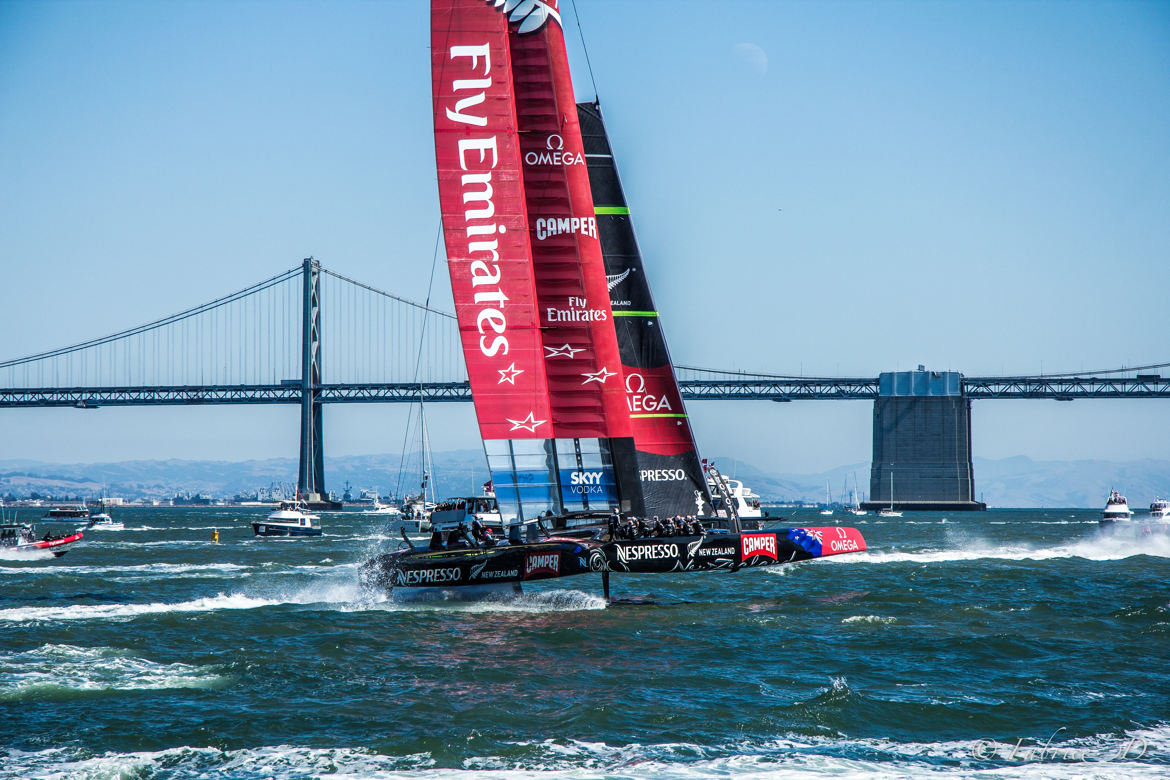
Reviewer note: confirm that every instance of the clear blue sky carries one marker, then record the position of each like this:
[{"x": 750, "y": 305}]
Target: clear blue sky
[{"x": 833, "y": 188}]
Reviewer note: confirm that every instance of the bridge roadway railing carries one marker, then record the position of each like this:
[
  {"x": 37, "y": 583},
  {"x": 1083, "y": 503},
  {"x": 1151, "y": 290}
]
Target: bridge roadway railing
[
  {"x": 765, "y": 389},
  {"x": 1066, "y": 388}
]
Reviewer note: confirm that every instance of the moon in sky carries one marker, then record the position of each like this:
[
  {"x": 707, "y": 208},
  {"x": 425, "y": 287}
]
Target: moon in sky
[{"x": 753, "y": 55}]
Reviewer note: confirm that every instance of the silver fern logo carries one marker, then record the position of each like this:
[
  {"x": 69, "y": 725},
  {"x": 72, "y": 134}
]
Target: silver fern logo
[
  {"x": 616, "y": 279},
  {"x": 531, "y": 14}
]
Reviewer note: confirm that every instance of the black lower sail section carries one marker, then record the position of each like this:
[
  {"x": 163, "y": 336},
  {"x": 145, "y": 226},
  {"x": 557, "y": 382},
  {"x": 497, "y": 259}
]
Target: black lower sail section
[
  {"x": 474, "y": 570},
  {"x": 662, "y": 462},
  {"x": 662, "y": 485}
]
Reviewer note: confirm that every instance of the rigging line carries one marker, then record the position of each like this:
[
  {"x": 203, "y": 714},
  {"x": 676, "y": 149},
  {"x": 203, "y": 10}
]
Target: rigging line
[
  {"x": 588, "y": 64},
  {"x": 259, "y": 286},
  {"x": 400, "y": 299},
  {"x": 418, "y": 359}
]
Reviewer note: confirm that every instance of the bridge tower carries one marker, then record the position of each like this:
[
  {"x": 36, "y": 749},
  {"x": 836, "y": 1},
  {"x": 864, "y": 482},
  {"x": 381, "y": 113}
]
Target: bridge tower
[
  {"x": 311, "y": 476},
  {"x": 922, "y": 443}
]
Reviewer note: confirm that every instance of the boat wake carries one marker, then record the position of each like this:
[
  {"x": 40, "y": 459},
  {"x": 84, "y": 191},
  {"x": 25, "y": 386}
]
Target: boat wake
[
  {"x": 24, "y": 555},
  {"x": 337, "y": 588},
  {"x": 51, "y": 671},
  {"x": 1102, "y": 547}
]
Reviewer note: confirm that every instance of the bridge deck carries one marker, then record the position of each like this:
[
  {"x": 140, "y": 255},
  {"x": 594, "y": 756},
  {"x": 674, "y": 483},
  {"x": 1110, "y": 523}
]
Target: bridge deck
[{"x": 819, "y": 389}]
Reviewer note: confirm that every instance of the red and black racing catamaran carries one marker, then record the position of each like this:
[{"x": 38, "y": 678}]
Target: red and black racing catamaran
[{"x": 581, "y": 417}]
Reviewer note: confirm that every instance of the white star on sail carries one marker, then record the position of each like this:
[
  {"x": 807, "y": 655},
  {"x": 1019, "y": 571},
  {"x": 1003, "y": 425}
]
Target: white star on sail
[
  {"x": 598, "y": 376},
  {"x": 529, "y": 423},
  {"x": 509, "y": 374},
  {"x": 565, "y": 351}
]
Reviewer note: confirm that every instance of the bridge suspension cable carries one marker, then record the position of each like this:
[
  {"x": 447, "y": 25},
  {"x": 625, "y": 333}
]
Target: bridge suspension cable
[
  {"x": 192, "y": 312},
  {"x": 252, "y": 337}
]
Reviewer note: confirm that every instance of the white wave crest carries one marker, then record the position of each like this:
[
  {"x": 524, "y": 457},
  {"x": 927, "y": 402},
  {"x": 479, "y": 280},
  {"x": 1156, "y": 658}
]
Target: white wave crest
[
  {"x": 65, "y": 667},
  {"x": 166, "y": 569},
  {"x": 1138, "y": 753},
  {"x": 116, "y": 611},
  {"x": 870, "y": 619},
  {"x": 798, "y": 757}
]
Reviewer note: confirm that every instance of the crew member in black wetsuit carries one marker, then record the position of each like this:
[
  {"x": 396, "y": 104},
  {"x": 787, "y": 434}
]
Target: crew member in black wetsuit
[{"x": 457, "y": 539}]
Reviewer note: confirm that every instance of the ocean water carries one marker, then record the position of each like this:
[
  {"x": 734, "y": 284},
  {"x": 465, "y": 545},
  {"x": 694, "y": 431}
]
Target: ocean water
[{"x": 1012, "y": 643}]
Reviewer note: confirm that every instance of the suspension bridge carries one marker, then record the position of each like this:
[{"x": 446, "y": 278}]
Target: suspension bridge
[{"x": 311, "y": 336}]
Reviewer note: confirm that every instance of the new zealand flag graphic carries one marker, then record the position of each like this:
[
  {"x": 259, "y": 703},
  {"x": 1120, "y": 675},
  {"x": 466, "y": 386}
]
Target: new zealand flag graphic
[{"x": 809, "y": 541}]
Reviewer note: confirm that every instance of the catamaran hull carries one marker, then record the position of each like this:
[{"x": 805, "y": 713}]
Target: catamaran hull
[
  {"x": 499, "y": 572},
  {"x": 729, "y": 552},
  {"x": 491, "y": 570}
]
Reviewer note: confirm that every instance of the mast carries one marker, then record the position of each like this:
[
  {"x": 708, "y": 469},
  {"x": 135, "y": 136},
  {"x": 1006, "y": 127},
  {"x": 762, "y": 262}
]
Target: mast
[{"x": 661, "y": 471}]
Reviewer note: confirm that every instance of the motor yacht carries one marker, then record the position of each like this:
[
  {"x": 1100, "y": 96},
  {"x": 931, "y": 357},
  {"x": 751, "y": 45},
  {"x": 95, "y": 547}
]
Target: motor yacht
[
  {"x": 747, "y": 503},
  {"x": 1116, "y": 508},
  {"x": 67, "y": 514},
  {"x": 291, "y": 518}
]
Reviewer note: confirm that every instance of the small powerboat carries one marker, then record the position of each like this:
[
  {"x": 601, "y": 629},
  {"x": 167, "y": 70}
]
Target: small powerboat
[
  {"x": 291, "y": 518},
  {"x": 382, "y": 509},
  {"x": 1116, "y": 508},
  {"x": 22, "y": 539},
  {"x": 103, "y": 522},
  {"x": 1160, "y": 508}
]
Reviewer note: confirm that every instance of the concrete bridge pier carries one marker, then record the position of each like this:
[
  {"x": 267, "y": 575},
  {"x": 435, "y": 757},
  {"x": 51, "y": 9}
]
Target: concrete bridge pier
[{"x": 922, "y": 443}]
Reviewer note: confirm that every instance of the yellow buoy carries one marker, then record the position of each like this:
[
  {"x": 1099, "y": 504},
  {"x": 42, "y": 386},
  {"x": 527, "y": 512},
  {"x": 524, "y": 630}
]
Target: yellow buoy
[{"x": 215, "y": 537}]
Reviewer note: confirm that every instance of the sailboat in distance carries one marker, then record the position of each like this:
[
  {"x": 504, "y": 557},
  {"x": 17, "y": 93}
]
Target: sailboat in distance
[
  {"x": 828, "y": 510},
  {"x": 890, "y": 511},
  {"x": 587, "y": 440},
  {"x": 855, "y": 506}
]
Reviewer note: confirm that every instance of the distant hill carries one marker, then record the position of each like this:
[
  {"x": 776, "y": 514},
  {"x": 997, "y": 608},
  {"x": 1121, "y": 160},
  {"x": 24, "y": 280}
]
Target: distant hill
[
  {"x": 1006, "y": 482},
  {"x": 456, "y": 472},
  {"x": 1021, "y": 481},
  {"x": 1014, "y": 482}
]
